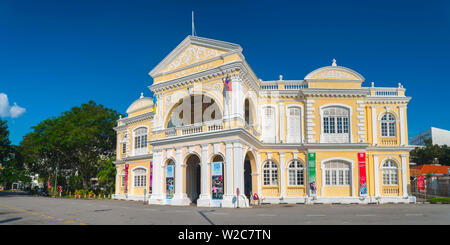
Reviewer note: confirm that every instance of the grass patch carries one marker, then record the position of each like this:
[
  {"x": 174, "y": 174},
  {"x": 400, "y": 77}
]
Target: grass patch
[{"x": 443, "y": 200}]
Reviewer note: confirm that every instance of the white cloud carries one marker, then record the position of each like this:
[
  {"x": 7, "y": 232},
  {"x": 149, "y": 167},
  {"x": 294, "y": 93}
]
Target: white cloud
[{"x": 9, "y": 111}]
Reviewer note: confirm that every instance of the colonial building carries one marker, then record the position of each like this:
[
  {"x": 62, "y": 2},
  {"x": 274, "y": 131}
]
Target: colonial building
[{"x": 220, "y": 136}]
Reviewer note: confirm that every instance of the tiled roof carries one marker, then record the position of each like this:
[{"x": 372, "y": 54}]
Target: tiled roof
[{"x": 429, "y": 169}]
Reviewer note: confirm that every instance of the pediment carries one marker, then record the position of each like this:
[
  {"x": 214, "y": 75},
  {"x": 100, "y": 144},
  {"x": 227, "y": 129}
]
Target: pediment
[
  {"x": 193, "y": 50},
  {"x": 191, "y": 55}
]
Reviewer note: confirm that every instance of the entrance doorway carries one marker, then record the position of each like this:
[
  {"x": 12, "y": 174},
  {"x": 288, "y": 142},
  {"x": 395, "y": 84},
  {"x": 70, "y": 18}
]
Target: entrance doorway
[
  {"x": 247, "y": 178},
  {"x": 193, "y": 178}
]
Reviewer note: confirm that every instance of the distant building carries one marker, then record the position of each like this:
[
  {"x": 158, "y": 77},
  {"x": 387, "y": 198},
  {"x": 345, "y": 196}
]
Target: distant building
[
  {"x": 438, "y": 137},
  {"x": 431, "y": 170}
]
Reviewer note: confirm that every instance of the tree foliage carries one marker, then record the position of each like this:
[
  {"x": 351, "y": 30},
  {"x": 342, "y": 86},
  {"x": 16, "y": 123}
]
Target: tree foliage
[
  {"x": 73, "y": 145},
  {"x": 427, "y": 154}
]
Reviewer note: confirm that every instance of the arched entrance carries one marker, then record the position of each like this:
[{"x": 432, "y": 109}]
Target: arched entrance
[
  {"x": 193, "y": 178},
  {"x": 250, "y": 178}
]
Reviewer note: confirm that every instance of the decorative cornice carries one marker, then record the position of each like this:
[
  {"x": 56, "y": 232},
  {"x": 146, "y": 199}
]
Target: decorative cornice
[
  {"x": 219, "y": 71},
  {"x": 124, "y": 121}
]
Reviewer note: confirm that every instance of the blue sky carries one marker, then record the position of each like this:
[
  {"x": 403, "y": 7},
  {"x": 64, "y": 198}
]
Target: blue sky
[{"x": 60, "y": 54}]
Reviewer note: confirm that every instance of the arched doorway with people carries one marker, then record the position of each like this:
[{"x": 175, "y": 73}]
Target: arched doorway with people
[{"x": 250, "y": 176}]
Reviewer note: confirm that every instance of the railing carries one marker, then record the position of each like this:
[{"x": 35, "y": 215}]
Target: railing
[
  {"x": 208, "y": 126},
  {"x": 389, "y": 142},
  {"x": 191, "y": 129},
  {"x": 390, "y": 190},
  {"x": 283, "y": 85},
  {"x": 386, "y": 92}
]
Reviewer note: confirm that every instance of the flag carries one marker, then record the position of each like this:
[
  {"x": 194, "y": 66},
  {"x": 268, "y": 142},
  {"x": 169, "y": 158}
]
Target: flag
[
  {"x": 227, "y": 82},
  {"x": 154, "y": 103}
]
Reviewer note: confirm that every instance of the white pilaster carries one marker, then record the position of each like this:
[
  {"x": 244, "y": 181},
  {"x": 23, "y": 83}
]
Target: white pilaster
[
  {"x": 377, "y": 178},
  {"x": 374, "y": 125},
  {"x": 402, "y": 125},
  {"x": 180, "y": 197},
  {"x": 157, "y": 196},
  {"x": 281, "y": 116},
  {"x": 283, "y": 174},
  {"x": 205, "y": 196},
  {"x": 228, "y": 196},
  {"x": 404, "y": 176}
]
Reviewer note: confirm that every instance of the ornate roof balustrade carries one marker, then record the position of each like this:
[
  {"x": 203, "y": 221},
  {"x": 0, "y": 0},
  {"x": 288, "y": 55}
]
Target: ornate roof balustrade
[
  {"x": 386, "y": 92},
  {"x": 284, "y": 85}
]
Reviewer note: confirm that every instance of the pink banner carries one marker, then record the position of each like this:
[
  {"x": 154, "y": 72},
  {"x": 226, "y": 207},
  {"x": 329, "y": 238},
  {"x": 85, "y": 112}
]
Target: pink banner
[
  {"x": 126, "y": 178},
  {"x": 420, "y": 182},
  {"x": 362, "y": 174}
]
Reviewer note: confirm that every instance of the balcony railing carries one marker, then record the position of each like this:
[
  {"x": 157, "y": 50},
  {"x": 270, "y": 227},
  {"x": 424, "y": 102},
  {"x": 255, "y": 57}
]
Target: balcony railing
[
  {"x": 208, "y": 126},
  {"x": 389, "y": 142}
]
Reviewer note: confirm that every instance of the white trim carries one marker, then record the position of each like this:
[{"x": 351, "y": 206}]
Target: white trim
[
  {"x": 350, "y": 121},
  {"x": 352, "y": 165}
]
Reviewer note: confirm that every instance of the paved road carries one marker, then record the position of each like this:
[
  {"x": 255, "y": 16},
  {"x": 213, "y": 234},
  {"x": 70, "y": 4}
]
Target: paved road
[{"x": 23, "y": 209}]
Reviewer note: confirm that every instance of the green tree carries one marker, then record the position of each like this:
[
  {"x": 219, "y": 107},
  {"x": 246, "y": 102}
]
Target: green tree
[
  {"x": 73, "y": 144},
  {"x": 427, "y": 154},
  {"x": 107, "y": 173}
]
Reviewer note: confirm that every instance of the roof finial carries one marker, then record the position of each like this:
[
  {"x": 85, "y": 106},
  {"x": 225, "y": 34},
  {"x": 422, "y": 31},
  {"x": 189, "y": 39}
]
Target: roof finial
[
  {"x": 281, "y": 77},
  {"x": 334, "y": 62},
  {"x": 142, "y": 96}
]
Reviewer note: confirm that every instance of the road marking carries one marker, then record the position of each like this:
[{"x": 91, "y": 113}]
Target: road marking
[
  {"x": 36, "y": 213},
  {"x": 366, "y": 215},
  {"x": 314, "y": 215}
]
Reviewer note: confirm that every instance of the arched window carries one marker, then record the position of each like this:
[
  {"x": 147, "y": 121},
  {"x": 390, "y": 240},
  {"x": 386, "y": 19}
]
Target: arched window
[
  {"x": 270, "y": 173},
  {"x": 336, "y": 125},
  {"x": 140, "y": 177},
  {"x": 388, "y": 125},
  {"x": 337, "y": 173},
  {"x": 296, "y": 173},
  {"x": 140, "y": 140},
  {"x": 268, "y": 125},
  {"x": 390, "y": 173},
  {"x": 293, "y": 125}
]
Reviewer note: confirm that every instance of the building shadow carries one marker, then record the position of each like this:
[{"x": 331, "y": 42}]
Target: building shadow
[{"x": 9, "y": 220}]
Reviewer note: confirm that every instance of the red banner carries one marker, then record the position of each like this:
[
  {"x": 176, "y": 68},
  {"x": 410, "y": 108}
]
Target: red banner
[
  {"x": 362, "y": 174},
  {"x": 420, "y": 182},
  {"x": 126, "y": 178}
]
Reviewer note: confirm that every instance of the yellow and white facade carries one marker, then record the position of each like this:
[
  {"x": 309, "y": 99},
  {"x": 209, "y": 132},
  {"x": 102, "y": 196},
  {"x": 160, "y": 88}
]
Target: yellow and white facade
[{"x": 262, "y": 132}]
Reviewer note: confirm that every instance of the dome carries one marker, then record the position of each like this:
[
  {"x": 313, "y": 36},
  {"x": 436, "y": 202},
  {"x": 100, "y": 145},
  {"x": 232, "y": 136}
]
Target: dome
[
  {"x": 334, "y": 72},
  {"x": 140, "y": 104}
]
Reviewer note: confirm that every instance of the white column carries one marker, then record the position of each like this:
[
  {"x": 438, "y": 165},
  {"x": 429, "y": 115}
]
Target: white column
[
  {"x": 157, "y": 196},
  {"x": 180, "y": 197},
  {"x": 283, "y": 175},
  {"x": 118, "y": 178},
  {"x": 205, "y": 196},
  {"x": 374, "y": 125},
  {"x": 228, "y": 196},
  {"x": 402, "y": 125},
  {"x": 376, "y": 174},
  {"x": 281, "y": 116},
  {"x": 404, "y": 177},
  {"x": 258, "y": 169},
  {"x": 237, "y": 97}
]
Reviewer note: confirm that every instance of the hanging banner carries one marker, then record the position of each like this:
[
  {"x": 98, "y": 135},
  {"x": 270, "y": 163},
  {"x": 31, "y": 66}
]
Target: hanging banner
[
  {"x": 312, "y": 173},
  {"x": 170, "y": 182},
  {"x": 362, "y": 174},
  {"x": 151, "y": 178},
  {"x": 126, "y": 177},
  {"x": 420, "y": 182},
  {"x": 217, "y": 181}
]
